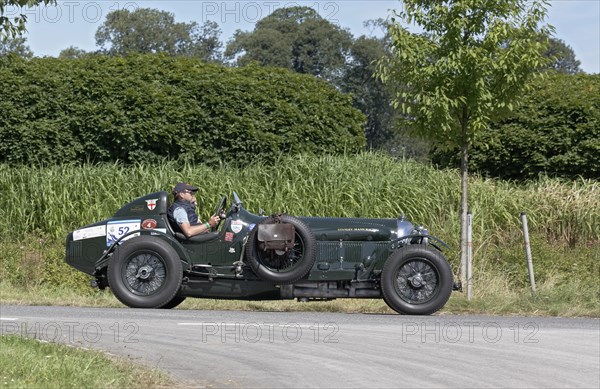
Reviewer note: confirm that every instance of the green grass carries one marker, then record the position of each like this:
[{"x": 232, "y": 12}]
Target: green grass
[
  {"x": 58, "y": 199},
  {"x": 29, "y": 363},
  {"x": 41, "y": 205}
]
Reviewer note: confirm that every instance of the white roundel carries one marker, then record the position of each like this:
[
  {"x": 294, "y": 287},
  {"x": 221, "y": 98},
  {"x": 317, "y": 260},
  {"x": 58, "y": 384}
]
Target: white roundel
[{"x": 236, "y": 226}]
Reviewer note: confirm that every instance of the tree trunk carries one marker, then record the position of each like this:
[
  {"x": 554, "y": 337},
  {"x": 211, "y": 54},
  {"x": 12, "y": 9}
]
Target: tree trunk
[{"x": 464, "y": 204}]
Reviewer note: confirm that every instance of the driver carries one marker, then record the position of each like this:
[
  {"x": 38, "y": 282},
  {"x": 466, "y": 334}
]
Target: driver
[{"x": 182, "y": 214}]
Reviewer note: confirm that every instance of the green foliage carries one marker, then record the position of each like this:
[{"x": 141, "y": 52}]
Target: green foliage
[
  {"x": 469, "y": 64},
  {"x": 52, "y": 201},
  {"x": 562, "y": 57},
  {"x": 369, "y": 94},
  {"x": 147, "y": 30},
  {"x": 148, "y": 107},
  {"x": 17, "y": 46},
  {"x": 72, "y": 52},
  {"x": 554, "y": 131},
  {"x": 15, "y": 27},
  {"x": 295, "y": 38}
]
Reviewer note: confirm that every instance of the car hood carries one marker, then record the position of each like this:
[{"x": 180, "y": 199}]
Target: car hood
[{"x": 336, "y": 228}]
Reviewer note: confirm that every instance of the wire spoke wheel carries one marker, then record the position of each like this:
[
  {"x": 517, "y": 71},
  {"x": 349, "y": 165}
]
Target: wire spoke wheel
[
  {"x": 417, "y": 281},
  {"x": 145, "y": 273}
]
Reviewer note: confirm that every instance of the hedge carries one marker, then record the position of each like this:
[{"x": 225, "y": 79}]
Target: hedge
[
  {"x": 554, "y": 131},
  {"x": 144, "y": 108}
]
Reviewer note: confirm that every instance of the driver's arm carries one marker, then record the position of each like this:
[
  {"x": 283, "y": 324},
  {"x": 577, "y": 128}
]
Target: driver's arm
[{"x": 191, "y": 230}]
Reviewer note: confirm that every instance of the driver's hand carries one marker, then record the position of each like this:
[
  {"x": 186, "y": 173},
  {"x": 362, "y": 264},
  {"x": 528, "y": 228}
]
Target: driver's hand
[{"x": 214, "y": 220}]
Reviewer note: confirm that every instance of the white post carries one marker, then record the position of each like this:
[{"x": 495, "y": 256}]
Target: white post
[
  {"x": 528, "y": 252},
  {"x": 469, "y": 255}
]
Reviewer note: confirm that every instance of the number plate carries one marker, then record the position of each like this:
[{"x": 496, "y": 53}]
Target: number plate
[{"x": 117, "y": 229}]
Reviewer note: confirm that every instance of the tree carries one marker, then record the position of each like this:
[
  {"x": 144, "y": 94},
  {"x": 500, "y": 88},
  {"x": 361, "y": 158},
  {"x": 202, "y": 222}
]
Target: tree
[
  {"x": 15, "y": 46},
  {"x": 295, "y": 38},
  {"x": 369, "y": 94},
  {"x": 16, "y": 26},
  {"x": 152, "y": 31},
  {"x": 72, "y": 52},
  {"x": 298, "y": 39},
  {"x": 562, "y": 57},
  {"x": 374, "y": 98},
  {"x": 467, "y": 66}
]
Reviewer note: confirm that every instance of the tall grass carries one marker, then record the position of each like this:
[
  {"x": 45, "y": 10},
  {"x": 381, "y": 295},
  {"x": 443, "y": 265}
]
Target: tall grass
[
  {"x": 41, "y": 205},
  {"x": 57, "y": 199}
]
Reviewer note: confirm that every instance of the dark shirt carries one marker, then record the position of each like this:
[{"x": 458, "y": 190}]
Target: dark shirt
[{"x": 190, "y": 210}]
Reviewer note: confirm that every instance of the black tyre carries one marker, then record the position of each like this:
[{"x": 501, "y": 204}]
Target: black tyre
[
  {"x": 145, "y": 272},
  {"x": 175, "y": 301},
  {"x": 283, "y": 266},
  {"x": 416, "y": 280}
]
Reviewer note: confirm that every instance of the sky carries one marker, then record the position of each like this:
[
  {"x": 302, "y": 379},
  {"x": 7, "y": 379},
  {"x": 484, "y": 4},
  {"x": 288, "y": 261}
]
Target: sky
[{"x": 74, "y": 22}]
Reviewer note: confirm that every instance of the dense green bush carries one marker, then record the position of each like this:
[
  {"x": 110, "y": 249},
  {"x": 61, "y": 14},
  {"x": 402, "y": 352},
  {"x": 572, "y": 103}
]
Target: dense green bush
[
  {"x": 147, "y": 107},
  {"x": 554, "y": 131}
]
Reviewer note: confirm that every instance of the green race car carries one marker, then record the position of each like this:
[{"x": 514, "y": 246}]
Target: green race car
[{"x": 146, "y": 264}]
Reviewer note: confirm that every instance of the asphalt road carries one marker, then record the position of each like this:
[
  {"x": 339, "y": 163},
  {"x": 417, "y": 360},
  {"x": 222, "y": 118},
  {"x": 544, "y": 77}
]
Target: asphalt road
[{"x": 304, "y": 350}]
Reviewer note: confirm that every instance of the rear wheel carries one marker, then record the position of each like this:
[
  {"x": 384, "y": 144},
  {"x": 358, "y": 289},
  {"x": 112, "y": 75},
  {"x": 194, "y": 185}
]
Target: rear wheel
[
  {"x": 416, "y": 280},
  {"x": 145, "y": 272},
  {"x": 283, "y": 266}
]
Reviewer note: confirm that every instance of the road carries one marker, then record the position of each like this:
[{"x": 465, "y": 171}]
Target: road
[{"x": 306, "y": 350}]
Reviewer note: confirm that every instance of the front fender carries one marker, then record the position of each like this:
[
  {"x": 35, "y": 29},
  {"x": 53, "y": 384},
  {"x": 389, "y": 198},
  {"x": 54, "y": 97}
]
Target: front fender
[
  {"x": 102, "y": 262},
  {"x": 407, "y": 239}
]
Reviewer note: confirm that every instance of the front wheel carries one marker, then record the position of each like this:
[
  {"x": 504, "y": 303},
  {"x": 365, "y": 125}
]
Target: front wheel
[
  {"x": 416, "y": 280},
  {"x": 145, "y": 272},
  {"x": 175, "y": 301}
]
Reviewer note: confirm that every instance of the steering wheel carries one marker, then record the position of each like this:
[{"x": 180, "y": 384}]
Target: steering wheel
[{"x": 220, "y": 210}]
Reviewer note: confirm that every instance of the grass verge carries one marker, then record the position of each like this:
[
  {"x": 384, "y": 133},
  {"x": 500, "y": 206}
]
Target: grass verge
[{"x": 29, "y": 363}]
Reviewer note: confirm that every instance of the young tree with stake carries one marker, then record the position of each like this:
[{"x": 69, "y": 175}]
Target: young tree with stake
[{"x": 468, "y": 65}]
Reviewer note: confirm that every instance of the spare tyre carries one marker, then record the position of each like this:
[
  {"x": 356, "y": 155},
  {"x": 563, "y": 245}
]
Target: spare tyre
[{"x": 282, "y": 264}]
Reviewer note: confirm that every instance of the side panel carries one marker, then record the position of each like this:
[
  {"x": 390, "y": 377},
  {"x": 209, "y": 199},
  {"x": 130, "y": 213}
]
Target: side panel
[
  {"x": 85, "y": 246},
  {"x": 88, "y": 244},
  {"x": 156, "y": 203},
  {"x": 228, "y": 248},
  {"x": 348, "y": 260}
]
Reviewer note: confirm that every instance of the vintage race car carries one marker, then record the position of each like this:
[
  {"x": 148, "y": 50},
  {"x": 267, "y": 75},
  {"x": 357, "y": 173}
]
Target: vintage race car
[{"x": 146, "y": 264}]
